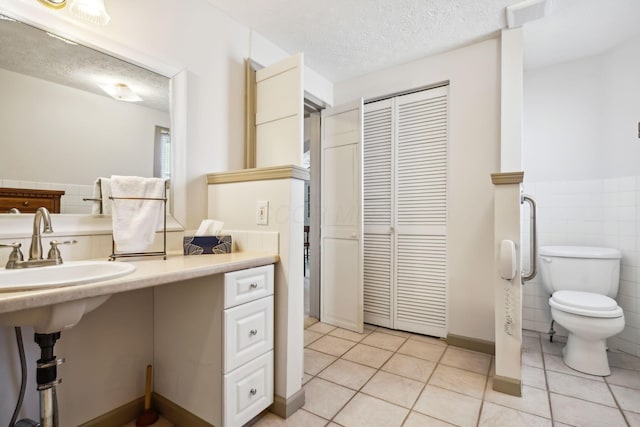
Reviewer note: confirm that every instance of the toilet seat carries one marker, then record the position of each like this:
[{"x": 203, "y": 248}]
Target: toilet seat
[{"x": 585, "y": 304}]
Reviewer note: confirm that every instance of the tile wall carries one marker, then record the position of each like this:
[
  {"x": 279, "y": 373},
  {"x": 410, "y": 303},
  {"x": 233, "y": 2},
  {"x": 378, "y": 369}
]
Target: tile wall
[{"x": 590, "y": 213}]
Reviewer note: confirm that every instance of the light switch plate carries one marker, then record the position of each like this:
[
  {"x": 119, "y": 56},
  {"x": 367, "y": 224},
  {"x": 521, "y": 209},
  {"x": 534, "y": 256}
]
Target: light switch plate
[{"x": 262, "y": 212}]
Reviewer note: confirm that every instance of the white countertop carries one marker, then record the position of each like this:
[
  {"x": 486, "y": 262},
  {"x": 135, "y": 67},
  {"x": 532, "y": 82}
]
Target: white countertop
[{"x": 149, "y": 272}]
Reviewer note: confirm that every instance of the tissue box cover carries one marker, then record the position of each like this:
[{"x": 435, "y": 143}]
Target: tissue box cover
[{"x": 198, "y": 245}]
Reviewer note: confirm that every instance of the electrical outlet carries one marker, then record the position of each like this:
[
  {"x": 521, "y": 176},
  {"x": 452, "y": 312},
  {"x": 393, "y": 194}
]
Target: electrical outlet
[{"x": 262, "y": 212}]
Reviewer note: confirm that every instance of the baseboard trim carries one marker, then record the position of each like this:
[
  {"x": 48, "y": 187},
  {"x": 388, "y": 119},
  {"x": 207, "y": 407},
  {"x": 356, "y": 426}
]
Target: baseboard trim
[
  {"x": 507, "y": 385},
  {"x": 284, "y": 408},
  {"x": 474, "y": 344},
  {"x": 119, "y": 416},
  {"x": 177, "y": 414}
]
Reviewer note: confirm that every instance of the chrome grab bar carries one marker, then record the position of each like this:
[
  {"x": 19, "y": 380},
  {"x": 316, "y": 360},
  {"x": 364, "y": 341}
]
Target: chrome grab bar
[{"x": 533, "y": 244}]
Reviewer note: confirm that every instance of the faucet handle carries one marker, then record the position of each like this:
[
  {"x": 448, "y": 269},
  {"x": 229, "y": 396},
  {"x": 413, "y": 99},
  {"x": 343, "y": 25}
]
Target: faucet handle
[
  {"x": 15, "y": 255},
  {"x": 54, "y": 252}
]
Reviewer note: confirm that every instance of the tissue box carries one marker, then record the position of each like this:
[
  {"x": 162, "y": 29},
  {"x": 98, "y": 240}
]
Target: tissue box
[{"x": 198, "y": 245}]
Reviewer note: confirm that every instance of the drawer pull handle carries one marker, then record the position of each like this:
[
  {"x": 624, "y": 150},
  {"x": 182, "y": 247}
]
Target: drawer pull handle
[
  {"x": 253, "y": 285},
  {"x": 253, "y": 392},
  {"x": 26, "y": 203},
  {"x": 253, "y": 332}
]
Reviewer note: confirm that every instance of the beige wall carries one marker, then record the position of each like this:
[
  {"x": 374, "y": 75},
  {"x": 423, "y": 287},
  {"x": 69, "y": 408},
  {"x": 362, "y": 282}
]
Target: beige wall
[{"x": 474, "y": 153}]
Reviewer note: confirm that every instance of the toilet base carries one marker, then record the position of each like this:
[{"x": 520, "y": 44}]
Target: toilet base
[{"x": 587, "y": 356}]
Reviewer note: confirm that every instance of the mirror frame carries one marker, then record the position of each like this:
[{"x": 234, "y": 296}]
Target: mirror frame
[{"x": 67, "y": 27}]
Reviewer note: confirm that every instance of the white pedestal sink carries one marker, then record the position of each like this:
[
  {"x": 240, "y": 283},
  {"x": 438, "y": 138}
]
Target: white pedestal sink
[{"x": 61, "y": 316}]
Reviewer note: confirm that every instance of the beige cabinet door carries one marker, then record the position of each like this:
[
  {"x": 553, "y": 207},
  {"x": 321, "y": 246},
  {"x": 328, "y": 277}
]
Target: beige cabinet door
[
  {"x": 341, "y": 297},
  {"x": 280, "y": 113}
]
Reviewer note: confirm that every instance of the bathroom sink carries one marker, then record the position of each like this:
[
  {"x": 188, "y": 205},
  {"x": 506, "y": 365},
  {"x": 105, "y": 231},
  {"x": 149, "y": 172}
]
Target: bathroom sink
[
  {"x": 61, "y": 316},
  {"x": 67, "y": 274}
]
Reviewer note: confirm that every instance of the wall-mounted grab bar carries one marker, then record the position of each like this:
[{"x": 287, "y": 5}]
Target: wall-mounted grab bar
[{"x": 533, "y": 244}]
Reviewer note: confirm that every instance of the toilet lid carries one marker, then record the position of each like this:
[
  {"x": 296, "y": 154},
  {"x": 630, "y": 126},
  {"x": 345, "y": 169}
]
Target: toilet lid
[{"x": 585, "y": 304}]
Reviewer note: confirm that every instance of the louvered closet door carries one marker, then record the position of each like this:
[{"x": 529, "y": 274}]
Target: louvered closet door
[
  {"x": 377, "y": 188},
  {"x": 421, "y": 212},
  {"x": 405, "y": 212}
]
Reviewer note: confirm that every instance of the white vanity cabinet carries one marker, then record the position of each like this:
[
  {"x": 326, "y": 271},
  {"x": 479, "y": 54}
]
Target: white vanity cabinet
[{"x": 213, "y": 345}]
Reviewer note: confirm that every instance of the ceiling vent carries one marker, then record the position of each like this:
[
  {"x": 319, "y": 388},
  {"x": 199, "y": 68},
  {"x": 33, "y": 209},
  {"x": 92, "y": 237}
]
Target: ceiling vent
[{"x": 526, "y": 11}]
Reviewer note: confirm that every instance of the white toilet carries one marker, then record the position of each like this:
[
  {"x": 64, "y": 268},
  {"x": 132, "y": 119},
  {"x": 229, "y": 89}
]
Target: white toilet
[{"x": 582, "y": 282}]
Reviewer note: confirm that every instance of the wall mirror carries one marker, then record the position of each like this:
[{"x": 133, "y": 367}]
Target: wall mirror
[{"x": 61, "y": 130}]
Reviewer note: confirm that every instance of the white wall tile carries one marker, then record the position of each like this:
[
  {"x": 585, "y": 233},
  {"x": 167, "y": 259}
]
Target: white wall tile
[{"x": 595, "y": 213}]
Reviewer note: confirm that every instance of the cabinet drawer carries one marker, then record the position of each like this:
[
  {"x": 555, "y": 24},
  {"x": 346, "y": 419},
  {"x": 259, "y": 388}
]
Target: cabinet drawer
[
  {"x": 247, "y": 285},
  {"x": 248, "y": 390},
  {"x": 248, "y": 332}
]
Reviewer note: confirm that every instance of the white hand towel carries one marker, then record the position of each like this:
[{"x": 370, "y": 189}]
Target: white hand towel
[
  {"x": 102, "y": 191},
  {"x": 135, "y": 222}
]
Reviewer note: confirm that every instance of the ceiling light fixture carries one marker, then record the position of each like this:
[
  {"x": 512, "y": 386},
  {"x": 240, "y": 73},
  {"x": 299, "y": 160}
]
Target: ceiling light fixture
[
  {"x": 121, "y": 92},
  {"x": 54, "y": 4},
  {"x": 91, "y": 10}
]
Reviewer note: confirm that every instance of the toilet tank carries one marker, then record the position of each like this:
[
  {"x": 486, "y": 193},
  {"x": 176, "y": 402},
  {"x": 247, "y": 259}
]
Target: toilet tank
[{"x": 580, "y": 268}]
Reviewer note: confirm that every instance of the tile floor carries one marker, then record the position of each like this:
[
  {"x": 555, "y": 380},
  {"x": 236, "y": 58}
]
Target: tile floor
[{"x": 389, "y": 378}]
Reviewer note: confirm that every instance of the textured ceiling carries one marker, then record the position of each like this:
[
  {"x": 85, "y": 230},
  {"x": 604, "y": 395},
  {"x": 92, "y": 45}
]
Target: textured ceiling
[
  {"x": 28, "y": 50},
  {"x": 342, "y": 39}
]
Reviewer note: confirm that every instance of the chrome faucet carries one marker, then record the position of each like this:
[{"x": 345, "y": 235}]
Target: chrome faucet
[
  {"x": 16, "y": 259},
  {"x": 42, "y": 214}
]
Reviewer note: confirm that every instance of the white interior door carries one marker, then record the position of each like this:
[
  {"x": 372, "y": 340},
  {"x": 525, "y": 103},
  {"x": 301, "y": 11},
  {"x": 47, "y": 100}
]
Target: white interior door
[
  {"x": 379, "y": 154},
  {"x": 421, "y": 212},
  {"x": 280, "y": 113},
  {"x": 341, "y": 278}
]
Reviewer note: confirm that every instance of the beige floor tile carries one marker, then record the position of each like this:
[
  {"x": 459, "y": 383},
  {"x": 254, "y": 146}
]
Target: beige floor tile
[
  {"x": 467, "y": 360},
  {"x": 532, "y": 359},
  {"x": 459, "y": 380},
  {"x": 416, "y": 419},
  {"x": 500, "y": 416},
  {"x": 299, "y": 418},
  {"x": 528, "y": 333},
  {"x": 331, "y": 345},
  {"x": 402, "y": 334},
  {"x": 625, "y": 378},
  {"x": 367, "y": 355},
  {"x": 577, "y": 412},
  {"x": 554, "y": 347},
  {"x": 310, "y": 336},
  {"x": 556, "y": 364},
  {"x": 384, "y": 341},
  {"x": 531, "y": 344},
  {"x": 393, "y": 388},
  {"x": 410, "y": 367},
  {"x": 427, "y": 338},
  {"x": 628, "y": 398},
  {"x": 632, "y": 418},
  {"x": 370, "y": 328},
  {"x": 367, "y": 411},
  {"x": 348, "y": 374},
  {"x": 449, "y": 406},
  {"x": 422, "y": 350},
  {"x": 323, "y": 328},
  {"x": 533, "y": 400},
  {"x": 332, "y": 424},
  {"x": 324, "y": 398},
  {"x": 349, "y": 335},
  {"x": 623, "y": 360},
  {"x": 314, "y": 361},
  {"x": 533, "y": 377},
  {"x": 308, "y": 321},
  {"x": 306, "y": 378},
  {"x": 581, "y": 388}
]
